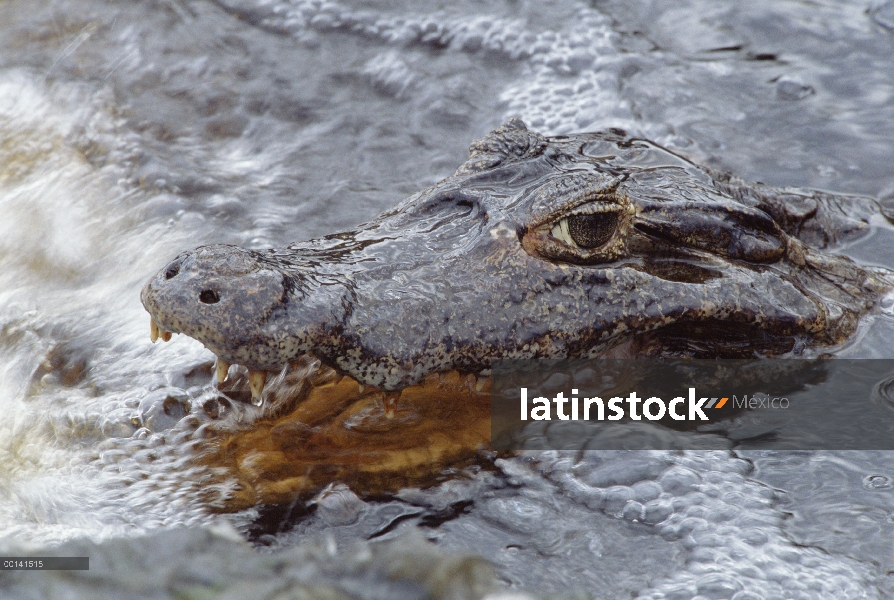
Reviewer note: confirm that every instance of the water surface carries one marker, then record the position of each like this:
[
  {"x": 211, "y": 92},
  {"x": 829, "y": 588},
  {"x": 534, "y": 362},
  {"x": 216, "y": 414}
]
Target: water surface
[{"x": 132, "y": 131}]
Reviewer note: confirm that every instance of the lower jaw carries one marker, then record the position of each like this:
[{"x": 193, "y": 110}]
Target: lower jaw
[{"x": 316, "y": 427}]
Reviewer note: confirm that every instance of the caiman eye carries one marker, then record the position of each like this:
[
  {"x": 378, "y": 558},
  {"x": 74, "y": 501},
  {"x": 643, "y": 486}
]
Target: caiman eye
[
  {"x": 586, "y": 231},
  {"x": 591, "y": 233}
]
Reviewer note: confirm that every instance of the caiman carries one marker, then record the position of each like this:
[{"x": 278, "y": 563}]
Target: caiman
[{"x": 589, "y": 245}]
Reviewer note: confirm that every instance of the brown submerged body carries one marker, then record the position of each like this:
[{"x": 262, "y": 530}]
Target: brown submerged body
[{"x": 581, "y": 246}]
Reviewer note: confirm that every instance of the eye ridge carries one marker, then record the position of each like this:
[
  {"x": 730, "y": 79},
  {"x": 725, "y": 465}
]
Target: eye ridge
[{"x": 592, "y": 230}]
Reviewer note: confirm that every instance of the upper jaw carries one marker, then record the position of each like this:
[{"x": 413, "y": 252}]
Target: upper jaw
[{"x": 243, "y": 309}]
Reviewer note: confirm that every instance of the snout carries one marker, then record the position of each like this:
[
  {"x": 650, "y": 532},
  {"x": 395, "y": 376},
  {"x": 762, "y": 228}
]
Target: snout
[{"x": 220, "y": 295}]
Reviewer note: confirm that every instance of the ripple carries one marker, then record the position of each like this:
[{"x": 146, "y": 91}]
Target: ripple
[{"x": 883, "y": 392}]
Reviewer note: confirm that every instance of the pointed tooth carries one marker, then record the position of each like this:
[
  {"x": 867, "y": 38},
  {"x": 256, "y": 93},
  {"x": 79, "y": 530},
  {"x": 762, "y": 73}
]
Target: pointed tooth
[
  {"x": 164, "y": 335},
  {"x": 153, "y": 330},
  {"x": 479, "y": 385},
  {"x": 390, "y": 404},
  {"x": 221, "y": 371},
  {"x": 256, "y": 380}
]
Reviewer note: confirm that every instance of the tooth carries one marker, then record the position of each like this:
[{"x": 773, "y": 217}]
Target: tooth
[
  {"x": 479, "y": 385},
  {"x": 256, "y": 380},
  {"x": 221, "y": 371},
  {"x": 165, "y": 335},
  {"x": 391, "y": 404},
  {"x": 153, "y": 330}
]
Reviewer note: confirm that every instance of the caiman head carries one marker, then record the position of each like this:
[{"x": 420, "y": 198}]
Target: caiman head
[{"x": 537, "y": 247}]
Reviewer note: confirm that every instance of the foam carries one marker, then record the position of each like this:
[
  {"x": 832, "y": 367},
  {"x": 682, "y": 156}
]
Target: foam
[
  {"x": 569, "y": 81},
  {"x": 74, "y": 337},
  {"x": 731, "y": 525}
]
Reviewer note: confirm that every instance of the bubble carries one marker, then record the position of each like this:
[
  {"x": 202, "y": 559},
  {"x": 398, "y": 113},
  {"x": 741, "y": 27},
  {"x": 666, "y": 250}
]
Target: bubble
[
  {"x": 877, "y": 482},
  {"x": 792, "y": 89},
  {"x": 338, "y": 505}
]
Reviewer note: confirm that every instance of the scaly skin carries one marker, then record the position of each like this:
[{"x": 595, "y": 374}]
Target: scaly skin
[{"x": 481, "y": 267}]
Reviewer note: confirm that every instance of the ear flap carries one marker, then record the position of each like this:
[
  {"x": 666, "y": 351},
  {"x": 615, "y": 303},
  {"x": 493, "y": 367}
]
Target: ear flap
[{"x": 510, "y": 140}]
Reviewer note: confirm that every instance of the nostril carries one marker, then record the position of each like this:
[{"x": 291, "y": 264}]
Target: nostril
[
  {"x": 172, "y": 271},
  {"x": 209, "y": 297}
]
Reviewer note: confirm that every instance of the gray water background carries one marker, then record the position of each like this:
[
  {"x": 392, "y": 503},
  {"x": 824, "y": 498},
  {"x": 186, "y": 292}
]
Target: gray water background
[{"x": 130, "y": 131}]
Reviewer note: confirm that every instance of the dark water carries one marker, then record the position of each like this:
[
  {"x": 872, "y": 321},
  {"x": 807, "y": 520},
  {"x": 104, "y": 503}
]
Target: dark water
[{"x": 130, "y": 131}]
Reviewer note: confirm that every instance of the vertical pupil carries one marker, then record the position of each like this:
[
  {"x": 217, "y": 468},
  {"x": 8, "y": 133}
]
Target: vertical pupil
[{"x": 591, "y": 231}]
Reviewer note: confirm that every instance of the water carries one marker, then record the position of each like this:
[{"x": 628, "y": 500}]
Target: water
[{"x": 132, "y": 131}]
